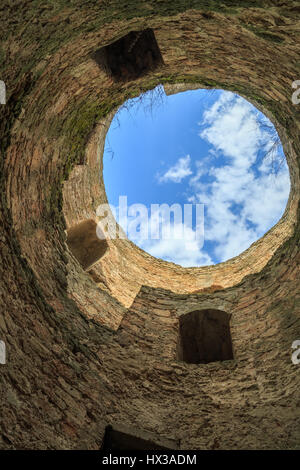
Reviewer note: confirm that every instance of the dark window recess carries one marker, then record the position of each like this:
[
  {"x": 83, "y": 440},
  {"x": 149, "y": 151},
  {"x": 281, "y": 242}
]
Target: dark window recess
[
  {"x": 204, "y": 336},
  {"x": 130, "y": 57},
  {"x": 84, "y": 243},
  {"x": 119, "y": 440}
]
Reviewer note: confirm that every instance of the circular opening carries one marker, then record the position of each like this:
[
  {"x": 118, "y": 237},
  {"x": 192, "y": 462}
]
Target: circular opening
[{"x": 201, "y": 175}]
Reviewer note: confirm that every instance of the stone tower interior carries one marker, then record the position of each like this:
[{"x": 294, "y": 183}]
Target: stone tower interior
[{"x": 103, "y": 341}]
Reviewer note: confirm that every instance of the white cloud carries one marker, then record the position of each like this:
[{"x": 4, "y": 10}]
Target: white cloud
[
  {"x": 244, "y": 199},
  {"x": 176, "y": 251},
  {"x": 183, "y": 246},
  {"x": 201, "y": 170},
  {"x": 177, "y": 172},
  {"x": 267, "y": 201},
  {"x": 233, "y": 129}
]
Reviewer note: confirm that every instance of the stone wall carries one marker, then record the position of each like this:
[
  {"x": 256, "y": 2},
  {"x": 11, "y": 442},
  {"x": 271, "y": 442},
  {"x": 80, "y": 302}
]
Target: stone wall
[{"x": 87, "y": 349}]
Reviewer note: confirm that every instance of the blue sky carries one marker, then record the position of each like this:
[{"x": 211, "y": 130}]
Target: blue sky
[{"x": 201, "y": 146}]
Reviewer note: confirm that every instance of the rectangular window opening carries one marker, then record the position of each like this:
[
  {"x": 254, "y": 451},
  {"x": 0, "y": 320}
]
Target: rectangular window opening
[
  {"x": 131, "y": 56},
  {"x": 204, "y": 336}
]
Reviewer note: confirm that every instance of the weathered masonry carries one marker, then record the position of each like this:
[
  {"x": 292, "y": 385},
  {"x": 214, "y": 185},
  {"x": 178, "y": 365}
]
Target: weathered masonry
[{"x": 99, "y": 333}]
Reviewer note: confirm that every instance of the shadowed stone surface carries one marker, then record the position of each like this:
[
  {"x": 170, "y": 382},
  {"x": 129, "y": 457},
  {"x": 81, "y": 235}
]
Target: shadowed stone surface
[
  {"x": 121, "y": 438},
  {"x": 84, "y": 243}
]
